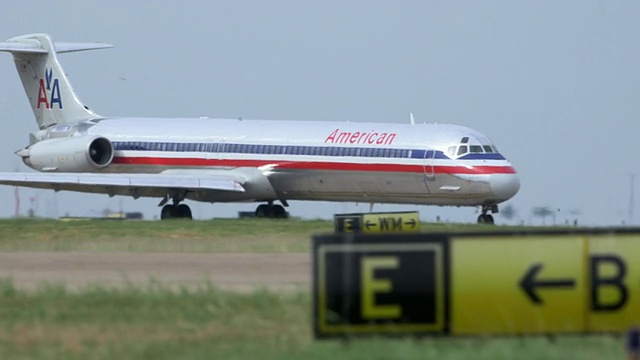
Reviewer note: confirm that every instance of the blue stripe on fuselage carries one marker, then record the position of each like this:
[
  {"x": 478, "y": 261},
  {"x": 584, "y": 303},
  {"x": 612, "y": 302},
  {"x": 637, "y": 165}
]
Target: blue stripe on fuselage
[{"x": 337, "y": 151}]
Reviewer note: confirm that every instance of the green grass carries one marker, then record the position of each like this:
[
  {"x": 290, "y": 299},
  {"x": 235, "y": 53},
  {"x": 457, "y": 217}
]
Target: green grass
[
  {"x": 157, "y": 323},
  {"x": 219, "y": 235},
  {"x": 224, "y": 235}
]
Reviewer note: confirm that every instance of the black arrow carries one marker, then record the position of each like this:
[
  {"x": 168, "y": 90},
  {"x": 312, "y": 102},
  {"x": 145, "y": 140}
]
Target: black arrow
[
  {"x": 412, "y": 223},
  {"x": 529, "y": 283},
  {"x": 368, "y": 224}
]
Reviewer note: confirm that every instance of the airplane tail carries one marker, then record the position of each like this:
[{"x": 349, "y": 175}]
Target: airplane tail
[{"x": 51, "y": 96}]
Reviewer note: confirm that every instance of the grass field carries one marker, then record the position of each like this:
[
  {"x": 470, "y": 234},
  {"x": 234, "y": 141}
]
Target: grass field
[
  {"x": 224, "y": 235},
  {"x": 219, "y": 235},
  {"x": 155, "y": 322}
]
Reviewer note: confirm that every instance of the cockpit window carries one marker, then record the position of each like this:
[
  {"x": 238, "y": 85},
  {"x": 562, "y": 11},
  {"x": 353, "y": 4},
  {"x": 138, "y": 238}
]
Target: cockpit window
[
  {"x": 476, "y": 148},
  {"x": 451, "y": 150},
  {"x": 462, "y": 150},
  {"x": 487, "y": 148},
  {"x": 464, "y": 140}
]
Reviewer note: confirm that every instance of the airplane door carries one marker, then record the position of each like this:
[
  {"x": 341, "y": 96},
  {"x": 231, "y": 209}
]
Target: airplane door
[{"x": 429, "y": 170}]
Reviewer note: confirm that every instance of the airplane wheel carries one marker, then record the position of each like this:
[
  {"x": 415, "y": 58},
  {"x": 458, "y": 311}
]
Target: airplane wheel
[
  {"x": 184, "y": 212},
  {"x": 485, "y": 219},
  {"x": 263, "y": 211},
  {"x": 168, "y": 212},
  {"x": 278, "y": 212}
]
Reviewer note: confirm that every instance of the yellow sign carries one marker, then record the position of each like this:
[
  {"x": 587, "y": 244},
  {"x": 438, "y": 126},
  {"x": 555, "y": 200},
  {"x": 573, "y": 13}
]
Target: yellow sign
[
  {"x": 477, "y": 284},
  {"x": 517, "y": 285},
  {"x": 613, "y": 269},
  {"x": 395, "y": 222},
  {"x": 545, "y": 283},
  {"x": 391, "y": 222}
]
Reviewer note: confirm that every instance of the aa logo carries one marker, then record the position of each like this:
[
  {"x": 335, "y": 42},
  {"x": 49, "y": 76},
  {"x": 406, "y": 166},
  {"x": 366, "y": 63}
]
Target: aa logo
[{"x": 49, "y": 91}]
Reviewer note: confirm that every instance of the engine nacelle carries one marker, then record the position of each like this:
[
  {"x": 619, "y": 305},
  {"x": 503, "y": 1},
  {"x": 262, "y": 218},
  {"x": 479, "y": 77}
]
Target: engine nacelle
[{"x": 72, "y": 154}]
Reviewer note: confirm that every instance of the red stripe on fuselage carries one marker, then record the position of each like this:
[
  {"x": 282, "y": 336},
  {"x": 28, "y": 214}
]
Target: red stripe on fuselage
[{"x": 315, "y": 165}]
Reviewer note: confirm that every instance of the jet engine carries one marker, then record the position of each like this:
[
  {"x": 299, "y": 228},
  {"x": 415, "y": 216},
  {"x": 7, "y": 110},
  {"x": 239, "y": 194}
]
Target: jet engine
[{"x": 72, "y": 154}]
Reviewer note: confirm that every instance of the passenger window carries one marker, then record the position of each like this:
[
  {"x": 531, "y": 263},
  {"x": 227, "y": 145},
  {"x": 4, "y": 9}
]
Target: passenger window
[{"x": 462, "y": 150}]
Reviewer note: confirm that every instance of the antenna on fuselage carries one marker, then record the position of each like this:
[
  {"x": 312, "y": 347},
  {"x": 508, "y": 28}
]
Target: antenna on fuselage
[{"x": 412, "y": 120}]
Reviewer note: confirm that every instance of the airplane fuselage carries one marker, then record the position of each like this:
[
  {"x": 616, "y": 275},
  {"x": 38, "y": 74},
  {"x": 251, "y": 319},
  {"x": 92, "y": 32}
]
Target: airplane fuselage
[{"x": 315, "y": 160}]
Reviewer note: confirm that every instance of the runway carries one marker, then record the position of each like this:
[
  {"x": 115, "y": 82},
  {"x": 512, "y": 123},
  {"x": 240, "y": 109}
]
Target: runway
[{"x": 236, "y": 271}]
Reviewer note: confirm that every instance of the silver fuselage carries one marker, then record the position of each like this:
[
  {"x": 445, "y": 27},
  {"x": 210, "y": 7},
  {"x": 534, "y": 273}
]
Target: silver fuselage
[{"x": 314, "y": 160}]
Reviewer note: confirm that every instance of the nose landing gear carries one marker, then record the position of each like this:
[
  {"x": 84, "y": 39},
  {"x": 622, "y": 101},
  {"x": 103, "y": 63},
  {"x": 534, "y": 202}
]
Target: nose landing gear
[{"x": 484, "y": 217}]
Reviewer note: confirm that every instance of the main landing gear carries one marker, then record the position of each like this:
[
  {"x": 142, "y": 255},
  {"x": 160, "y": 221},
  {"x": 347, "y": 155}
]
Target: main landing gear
[
  {"x": 271, "y": 211},
  {"x": 175, "y": 210},
  {"x": 484, "y": 217}
]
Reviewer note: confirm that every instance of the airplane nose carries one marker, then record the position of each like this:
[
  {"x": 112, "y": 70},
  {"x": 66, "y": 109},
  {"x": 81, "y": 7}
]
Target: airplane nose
[{"x": 504, "y": 186}]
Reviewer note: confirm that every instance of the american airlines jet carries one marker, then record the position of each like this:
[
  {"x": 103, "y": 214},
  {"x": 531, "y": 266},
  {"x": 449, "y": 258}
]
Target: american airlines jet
[{"x": 239, "y": 160}]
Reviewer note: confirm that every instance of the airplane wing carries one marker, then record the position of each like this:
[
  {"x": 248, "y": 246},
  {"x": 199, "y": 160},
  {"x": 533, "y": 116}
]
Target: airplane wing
[{"x": 152, "y": 185}]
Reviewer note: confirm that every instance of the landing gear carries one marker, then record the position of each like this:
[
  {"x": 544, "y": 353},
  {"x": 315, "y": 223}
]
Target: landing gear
[
  {"x": 181, "y": 211},
  {"x": 175, "y": 210},
  {"x": 271, "y": 211},
  {"x": 486, "y": 218}
]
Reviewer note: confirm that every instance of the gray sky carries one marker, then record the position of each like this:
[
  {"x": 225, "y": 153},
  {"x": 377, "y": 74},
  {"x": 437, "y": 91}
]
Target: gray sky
[{"x": 553, "y": 83}]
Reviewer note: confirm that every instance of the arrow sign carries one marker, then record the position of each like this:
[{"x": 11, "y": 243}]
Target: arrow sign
[
  {"x": 529, "y": 283},
  {"x": 411, "y": 223},
  {"x": 369, "y": 224}
]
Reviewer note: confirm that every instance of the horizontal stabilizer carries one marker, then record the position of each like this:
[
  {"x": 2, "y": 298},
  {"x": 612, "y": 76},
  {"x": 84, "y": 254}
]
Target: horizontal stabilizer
[
  {"x": 21, "y": 48},
  {"x": 61, "y": 47},
  {"x": 64, "y": 47}
]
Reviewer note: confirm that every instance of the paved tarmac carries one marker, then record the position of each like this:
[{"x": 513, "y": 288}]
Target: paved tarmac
[{"x": 236, "y": 271}]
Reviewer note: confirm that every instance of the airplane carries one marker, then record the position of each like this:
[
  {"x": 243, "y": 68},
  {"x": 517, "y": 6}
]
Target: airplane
[{"x": 239, "y": 160}]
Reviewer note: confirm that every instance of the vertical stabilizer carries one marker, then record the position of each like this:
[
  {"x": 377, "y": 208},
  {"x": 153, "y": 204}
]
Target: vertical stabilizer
[{"x": 50, "y": 94}]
